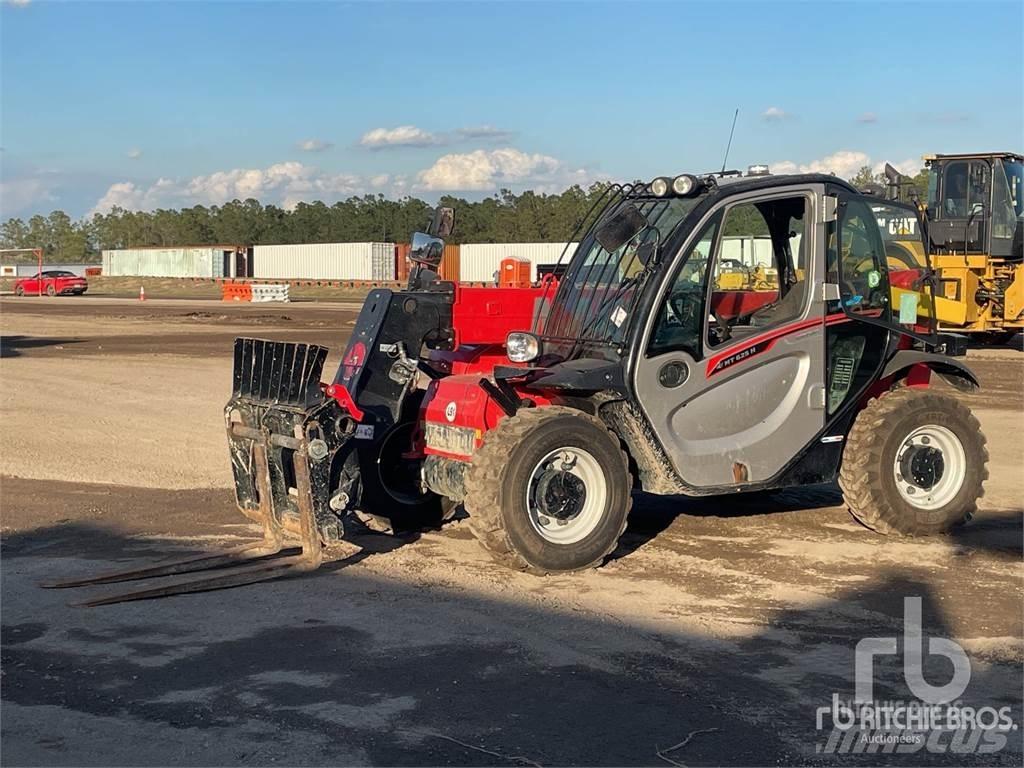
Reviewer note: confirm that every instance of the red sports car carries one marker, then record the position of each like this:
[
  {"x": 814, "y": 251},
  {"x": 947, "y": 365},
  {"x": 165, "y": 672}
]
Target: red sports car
[{"x": 51, "y": 282}]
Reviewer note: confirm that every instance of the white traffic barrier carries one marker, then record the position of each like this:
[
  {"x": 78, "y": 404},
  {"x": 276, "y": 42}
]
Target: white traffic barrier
[{"x": 262, "y": 292}]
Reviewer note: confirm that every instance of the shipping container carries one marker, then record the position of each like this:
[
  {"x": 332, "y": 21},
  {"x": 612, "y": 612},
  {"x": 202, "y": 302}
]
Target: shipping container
[
  {"x": 325, "y": 261},
  {"x": 451, "y": 264},
  {"x": 203, "y": 261},
  {"x": 402, "y": 265},
  {"x": 28, "y": 270},
  {"x": 481, "y": 261},
  {"x": 448, "y": 269}
]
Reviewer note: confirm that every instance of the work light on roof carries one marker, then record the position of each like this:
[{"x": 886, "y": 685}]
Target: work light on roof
[
  {"x": 659, "y": 187},
  {"x": 684, "y": 184},
  {"x": 758, "y": 170}
]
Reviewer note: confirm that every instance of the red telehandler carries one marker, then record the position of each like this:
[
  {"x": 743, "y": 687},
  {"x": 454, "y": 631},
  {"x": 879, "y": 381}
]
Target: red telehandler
[{"x": 542, "y": 409}]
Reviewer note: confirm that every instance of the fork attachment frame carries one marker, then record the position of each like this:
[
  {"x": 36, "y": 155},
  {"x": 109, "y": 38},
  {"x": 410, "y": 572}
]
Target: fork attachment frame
[{"x": 286, "y": 440}]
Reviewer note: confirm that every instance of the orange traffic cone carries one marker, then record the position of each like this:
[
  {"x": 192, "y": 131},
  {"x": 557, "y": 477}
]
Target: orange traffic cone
[{"x": 142, "y": 293}]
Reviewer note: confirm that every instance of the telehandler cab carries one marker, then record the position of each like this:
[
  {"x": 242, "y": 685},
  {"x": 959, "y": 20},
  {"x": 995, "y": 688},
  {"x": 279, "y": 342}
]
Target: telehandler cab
[{"x": 542, "y": 409}]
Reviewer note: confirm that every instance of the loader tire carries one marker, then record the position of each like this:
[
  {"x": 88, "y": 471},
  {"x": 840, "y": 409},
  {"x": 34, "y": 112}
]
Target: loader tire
[
  {"x": 914, "y": 463},
  {"x": 518, "y": 480}
]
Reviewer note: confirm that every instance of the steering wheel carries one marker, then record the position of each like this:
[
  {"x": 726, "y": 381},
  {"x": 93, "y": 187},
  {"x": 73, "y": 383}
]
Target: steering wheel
[{"x": 683, "y": 306}]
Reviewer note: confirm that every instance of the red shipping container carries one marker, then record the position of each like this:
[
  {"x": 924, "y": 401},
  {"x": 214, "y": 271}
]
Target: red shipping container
[
  {"x": 450, "y": 264},
  {"x": 402, "y": 265}
]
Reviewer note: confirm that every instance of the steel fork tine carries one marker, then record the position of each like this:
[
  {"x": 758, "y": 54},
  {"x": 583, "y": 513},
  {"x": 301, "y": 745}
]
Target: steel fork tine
[
  {"x": 261, "y": 568},
  {"x": 270, "y": 544},
  {"x": 185, "y": 565},
  {"x": 234, "y": 578}
]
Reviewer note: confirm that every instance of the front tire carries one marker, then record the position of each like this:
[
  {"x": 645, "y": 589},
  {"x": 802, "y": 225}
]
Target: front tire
[
  {"x": 549, "y": 491},
  {"x": 19, "y": 290},
  {"x": 914, "y": 463}
]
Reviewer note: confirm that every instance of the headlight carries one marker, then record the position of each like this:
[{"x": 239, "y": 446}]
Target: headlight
[
  {"x": 659, "y": 187},
  {"x": 684, "y": 184},
  {"x": 522, "y": 347}
]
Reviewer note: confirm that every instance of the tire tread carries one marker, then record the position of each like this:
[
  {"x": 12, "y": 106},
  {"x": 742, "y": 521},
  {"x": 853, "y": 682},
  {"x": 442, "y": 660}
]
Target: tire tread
[
  {"x": 484, "y": 484},
  {"x": 860, "y": 476}
]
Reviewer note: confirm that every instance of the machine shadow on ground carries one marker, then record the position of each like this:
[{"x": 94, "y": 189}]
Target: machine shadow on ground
[
  {"x": 16, "y": 345},
  {"x": 348, "y": 667}
]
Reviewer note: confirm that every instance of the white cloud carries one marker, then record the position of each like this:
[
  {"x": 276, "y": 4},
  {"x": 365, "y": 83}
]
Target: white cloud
[
  {"x": 845, "y": 163},
  {"x": 314, "y": 145},
  {"x": 908, "y": 167},
  {"x": 483, "y": 170},
  {"x": 402, "y": 136},
  {"x": 22, "y": 194},
  {"x": 867, "y": 117},
  {"x": 134, "y": 153},
  {"x": 775, "y": 114},
  {"x": 411, "y": 136},
  {"x": 289, "y": 183},
  {"x": 484, "y": 132},
  {"x": 286, "y": 184},
  {"x": 19, "y": 3}
]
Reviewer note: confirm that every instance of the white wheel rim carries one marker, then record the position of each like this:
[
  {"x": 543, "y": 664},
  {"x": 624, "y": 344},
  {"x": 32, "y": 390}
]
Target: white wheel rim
[
  {"x": 566, "y": 496},
  {"x": 930, "y": 467}
]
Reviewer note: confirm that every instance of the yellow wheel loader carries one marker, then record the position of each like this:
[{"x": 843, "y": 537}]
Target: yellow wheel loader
[{"x": 974, "y": 214}]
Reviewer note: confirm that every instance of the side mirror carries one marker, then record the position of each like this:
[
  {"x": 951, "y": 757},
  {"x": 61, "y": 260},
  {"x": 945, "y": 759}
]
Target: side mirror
[
  {"x": 626, "y": 224},
  {"x": 425, "y": 249},
  {"x": 977, "y": 209},
  {"x": 443, "y": 222}
]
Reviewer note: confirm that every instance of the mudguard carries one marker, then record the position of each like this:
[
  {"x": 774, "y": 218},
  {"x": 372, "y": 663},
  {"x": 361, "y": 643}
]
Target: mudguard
[{"x": 953, "y": 371}]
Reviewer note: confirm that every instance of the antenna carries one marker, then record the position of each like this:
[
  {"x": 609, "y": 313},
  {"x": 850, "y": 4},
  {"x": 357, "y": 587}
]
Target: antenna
[{"x": 731, "y": 132}]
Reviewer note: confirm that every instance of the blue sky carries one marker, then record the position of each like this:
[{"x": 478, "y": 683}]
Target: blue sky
[{"x": 158, "y": 104}]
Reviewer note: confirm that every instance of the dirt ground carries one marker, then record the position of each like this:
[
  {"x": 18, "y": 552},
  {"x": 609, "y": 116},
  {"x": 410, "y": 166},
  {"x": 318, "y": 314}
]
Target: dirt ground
[{"x": 728, "y": 621}]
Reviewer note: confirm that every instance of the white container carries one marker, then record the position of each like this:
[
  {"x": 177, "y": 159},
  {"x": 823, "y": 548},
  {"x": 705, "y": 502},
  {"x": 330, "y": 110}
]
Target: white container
[
  {"x": 480, "y": 261},
  {"x": 325, "y": 261},
  {"x": 201, "y": 261},
  {"x": 29, "y": 270}
]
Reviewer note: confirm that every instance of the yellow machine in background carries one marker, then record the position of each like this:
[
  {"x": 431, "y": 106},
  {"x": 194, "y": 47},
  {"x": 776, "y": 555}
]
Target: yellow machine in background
[{"x": 975, "y": 217}]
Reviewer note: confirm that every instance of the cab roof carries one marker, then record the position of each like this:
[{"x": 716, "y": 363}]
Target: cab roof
[
  {"x": 976, "y": 156},
  {"x": 736, "y": 184}
]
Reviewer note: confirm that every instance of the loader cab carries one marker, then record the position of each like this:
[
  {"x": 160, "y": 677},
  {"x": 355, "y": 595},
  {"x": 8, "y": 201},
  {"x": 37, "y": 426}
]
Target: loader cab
[
  {"x": 774, "y": 311},
  {"x": 976, "y": 203}
]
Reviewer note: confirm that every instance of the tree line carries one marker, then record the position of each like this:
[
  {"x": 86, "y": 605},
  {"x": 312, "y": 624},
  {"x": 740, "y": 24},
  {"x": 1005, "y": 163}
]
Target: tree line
[{"x": 505, "y": 217}]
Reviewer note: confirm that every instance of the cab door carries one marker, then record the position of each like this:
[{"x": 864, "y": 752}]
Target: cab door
[
  {"x": 732, "y": 372},
  {"x": 876, "y": 291}
]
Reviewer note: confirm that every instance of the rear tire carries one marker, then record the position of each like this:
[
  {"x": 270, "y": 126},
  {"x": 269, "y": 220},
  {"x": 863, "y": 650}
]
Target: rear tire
[
  {"x": 530, "y": 511},
  {"x": 914, "y": 463},
  {"x": 51, "y": 290}
]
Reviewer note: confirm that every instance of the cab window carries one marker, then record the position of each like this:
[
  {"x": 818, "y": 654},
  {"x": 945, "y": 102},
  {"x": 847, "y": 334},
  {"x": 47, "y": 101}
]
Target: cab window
[
  {"x": 759, "y": 278},
  {"x": 679, "y": 319}
]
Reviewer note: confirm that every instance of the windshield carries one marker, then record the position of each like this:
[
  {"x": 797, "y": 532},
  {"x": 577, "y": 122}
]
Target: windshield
[
  {"x": 595, "y": 296},
  {"x": 1015, "y": 178}
]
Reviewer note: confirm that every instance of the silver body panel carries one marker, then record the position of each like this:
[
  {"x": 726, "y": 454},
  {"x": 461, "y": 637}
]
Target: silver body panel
[{"x": 741, "y": 423}]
